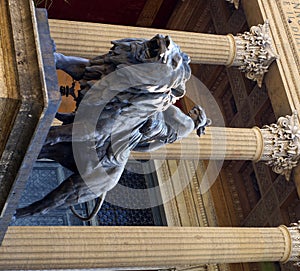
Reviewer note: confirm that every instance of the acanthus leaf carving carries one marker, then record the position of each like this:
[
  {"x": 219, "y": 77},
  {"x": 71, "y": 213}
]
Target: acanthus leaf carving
[
  {"x": 282, "y": 144},
  {"x": 254, "y": 52}
]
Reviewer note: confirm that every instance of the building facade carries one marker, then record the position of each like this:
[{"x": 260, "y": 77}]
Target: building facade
[{"x": 245, "y": 192}]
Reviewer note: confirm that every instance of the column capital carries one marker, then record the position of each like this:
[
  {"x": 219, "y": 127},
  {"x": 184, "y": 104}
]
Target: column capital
[
  {"x": 235, "y": 2},
  {"x": 294, "y": 231},
  {"x": 282, "y": 144},
  {"x": 254, "y": 52}
]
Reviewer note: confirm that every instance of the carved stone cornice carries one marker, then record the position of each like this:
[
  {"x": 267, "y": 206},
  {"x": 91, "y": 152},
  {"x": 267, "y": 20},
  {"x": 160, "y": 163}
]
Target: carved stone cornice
[
  {"x": 235, "y": 2},
  {"x": 294, "y": 231},
  {"x": 282, "y": 144},
  {"x": 254, "y": 52}
]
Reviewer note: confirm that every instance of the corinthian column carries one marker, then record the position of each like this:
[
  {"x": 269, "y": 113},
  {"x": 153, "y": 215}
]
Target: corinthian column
[
  {"x": 218, "y": 143},
  {"x": 95, "y": 39},
  {"x": 277, "y": 144},
  {"x": 282, "y": 144},
  {"x": 251, "y": 51},
  {"x": 130, "y": 247}
]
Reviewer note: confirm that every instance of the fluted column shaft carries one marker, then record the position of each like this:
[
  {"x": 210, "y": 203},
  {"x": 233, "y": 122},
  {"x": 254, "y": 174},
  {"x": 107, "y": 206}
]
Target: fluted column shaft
[
  {"x": 251, "y": 51},
  {"x": 218, "y": 143},
  {"x": 103, "y": 247},
  {"x": 92, "y": 39},
  {"x": 278, "y": 144}
]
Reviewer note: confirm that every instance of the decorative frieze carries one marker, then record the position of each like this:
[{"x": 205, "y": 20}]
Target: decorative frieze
[
  {"x": 254, "y": 52},
  {"x": 235, "y": 2},
  {"x": 281, "y": 144}
]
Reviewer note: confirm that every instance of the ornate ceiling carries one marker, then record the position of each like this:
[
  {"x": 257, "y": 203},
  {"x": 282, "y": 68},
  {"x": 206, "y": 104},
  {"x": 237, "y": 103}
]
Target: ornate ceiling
[{"x": 131, "y": 12}]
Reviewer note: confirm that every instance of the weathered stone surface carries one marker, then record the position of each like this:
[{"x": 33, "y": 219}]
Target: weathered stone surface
[{"x": 29, "y": 98}]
